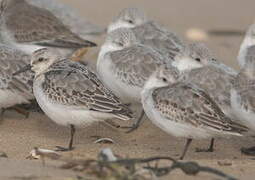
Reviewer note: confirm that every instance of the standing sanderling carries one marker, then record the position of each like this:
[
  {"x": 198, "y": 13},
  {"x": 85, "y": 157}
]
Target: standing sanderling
[
  {"x": 29, "y": 28},
  {"x": 183, "y": 110},
  {"x": 124, "y": 65},
  {"x": 148, "y": 32},
  {"x": 249, "y": 40},
  {"x": 243, "y": 94},
  {"x": 14, "y": 89},
  {"x": 70, "y": 94}
]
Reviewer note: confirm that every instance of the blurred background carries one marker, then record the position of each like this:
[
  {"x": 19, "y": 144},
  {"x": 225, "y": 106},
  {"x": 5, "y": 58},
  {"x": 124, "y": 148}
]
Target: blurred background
[{"x": 181, "y": 16}]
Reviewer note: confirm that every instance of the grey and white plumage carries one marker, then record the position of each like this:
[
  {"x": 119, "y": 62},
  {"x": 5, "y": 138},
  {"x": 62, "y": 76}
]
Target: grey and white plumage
[
  {"x": 71, "y": 18},
  {"x": 29, "y": 28},
  {"x": 243, "y": 91},
  {"x": 148, "y": 32},
  {"x": 243, "y": 95},
  {"x": 184, "y": 110},
  {"x": 124, "y": 64},
  {"x": 14, "y": 89},
  {"x": 201, "y": 68},
  {"x": 70, "y": 94},
  {"x": 248, "y": 41}
]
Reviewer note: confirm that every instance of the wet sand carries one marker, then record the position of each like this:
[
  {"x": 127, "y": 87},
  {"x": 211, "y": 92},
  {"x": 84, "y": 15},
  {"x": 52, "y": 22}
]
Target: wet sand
[{"x": 19, "y": 135}]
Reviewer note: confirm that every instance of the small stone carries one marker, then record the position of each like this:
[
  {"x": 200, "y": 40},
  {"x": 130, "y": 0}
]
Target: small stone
[
  {"x": 196, "y": 34},
  {"x": 224, "y": 163},
  {"x": 3, "y": 155}
]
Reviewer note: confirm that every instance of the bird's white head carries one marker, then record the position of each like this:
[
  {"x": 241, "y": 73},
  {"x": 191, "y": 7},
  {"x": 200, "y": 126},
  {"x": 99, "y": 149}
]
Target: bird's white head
[
  {"x": 165, "y": 75},
  {"x": 249, "y": 68},
  {"x": 42, "y": 59},
  {"x": 128, "y": 18},
  {"x": 249, "y": 40},
  {"x": 119, "y": 39},
  {"x": 196, "y": 55}
]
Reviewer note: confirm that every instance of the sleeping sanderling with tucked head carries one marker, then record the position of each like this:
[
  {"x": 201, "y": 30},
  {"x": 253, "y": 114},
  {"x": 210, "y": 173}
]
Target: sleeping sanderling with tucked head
[
  {"x": 124, "y": 64},
  {"x": 242, "y": 95},
  {"x": 248, "y": 41},
  {"x": 148, "y": 32},
  {"x": 14, "y": 89},
  {"x": 199, "y": 67},
  {"x": 183, "y": 110}
]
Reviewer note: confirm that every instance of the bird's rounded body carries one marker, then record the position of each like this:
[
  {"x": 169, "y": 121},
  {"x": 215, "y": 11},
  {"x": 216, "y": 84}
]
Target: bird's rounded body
[{"x": 64, "y": 114}]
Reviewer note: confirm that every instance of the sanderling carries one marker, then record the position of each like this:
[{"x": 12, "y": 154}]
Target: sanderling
[
  {"x": 29, "y": 28},
  {"x": 69, "y": 16},
  {"x": 124, "y": 65},
  {"x": 249, "y": 40},
  {"x": 70, "y": 94},
  {"x": 242, "y": 94},
  {"x": 14, "y": 89},
  {"x": 184, "y": 110},
  {"x": 148, "y": 32},
  {"x": 201, "y": 68}
]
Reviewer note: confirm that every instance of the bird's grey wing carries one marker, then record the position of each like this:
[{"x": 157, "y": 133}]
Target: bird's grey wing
[
  {"x": 70, "y": 17},
  {"x": 223, "y": 67},
  {"x": 11, "y": 61},
  {"x": 134, "y": 65},
  {"x": 156, "y": 36},
  {"x": 71, "y": 83},
  {"x": 213, "y": 80},
  {"x": 30, "y": 24},
  {"x": 192, "y": 105},
  {"x": 245, "y": 89}
]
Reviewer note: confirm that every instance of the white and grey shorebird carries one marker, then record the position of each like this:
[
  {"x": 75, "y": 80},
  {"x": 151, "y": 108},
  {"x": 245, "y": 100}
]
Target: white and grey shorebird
[
  {"x": 17, "y": 89},
  {"x": 69, "y": 16},
  {"x": 124, "y": 65},
  {"x": 29, "y": 28},
  {"x": 148, "y": 32},
  {"x": 200, "y": 67},
  {"x": 249, "y": 40},
  {"x": 184, "y": 110},
  {"x": 72, "y": 95},
  {"x": 243, "y": 95}
]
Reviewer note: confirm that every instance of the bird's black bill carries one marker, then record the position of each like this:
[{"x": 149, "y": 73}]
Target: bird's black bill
[
  {"x": 24, "y": 69},
  {"x": 87, "y": 43}
]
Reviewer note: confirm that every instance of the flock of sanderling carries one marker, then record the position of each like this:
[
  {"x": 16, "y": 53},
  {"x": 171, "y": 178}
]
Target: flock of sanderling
[{"x": 182, "y": 88}]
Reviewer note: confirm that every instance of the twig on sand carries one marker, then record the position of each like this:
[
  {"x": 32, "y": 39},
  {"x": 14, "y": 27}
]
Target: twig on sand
[
  {"x": 129, "y": 168},
  {"x": 189, "y": 168},
  {"x": 109, "y": 166}
]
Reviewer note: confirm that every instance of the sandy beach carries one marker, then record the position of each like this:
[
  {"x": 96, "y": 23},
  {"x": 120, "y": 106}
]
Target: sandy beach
[{"x": 18, "y": 135}]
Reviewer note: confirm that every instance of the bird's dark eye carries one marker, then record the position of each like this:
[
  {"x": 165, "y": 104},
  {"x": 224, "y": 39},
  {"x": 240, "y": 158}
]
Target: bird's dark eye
[
  {"x": 130, "y": 21},
  {"x": 164, "y": 80},
  {"x": 41, "y": 59},
  {"x": 120, "y": 44},
  {"x": 198, "y": 59}
]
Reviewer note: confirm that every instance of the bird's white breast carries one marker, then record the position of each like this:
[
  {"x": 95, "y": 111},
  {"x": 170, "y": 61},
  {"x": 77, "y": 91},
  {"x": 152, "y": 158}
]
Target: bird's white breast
[
  {"x": 245, "y": 117},
  {"x": 9, "y": 98},
  {"x": 64, "y": 114},
  {"x": 126, "y": 92},
  {"x": 169, "y": 126}
]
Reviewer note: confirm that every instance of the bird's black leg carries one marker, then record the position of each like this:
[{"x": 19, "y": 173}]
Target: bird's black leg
[
  {"x": 21, "y": 111},
  {"x": 136, "y": 124},
  {"x": 185, "y": 148},
  {"x": 70, "y": 146},
  {"x": 2, "y": 114},
  {"x": 210, "y": 149}
]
